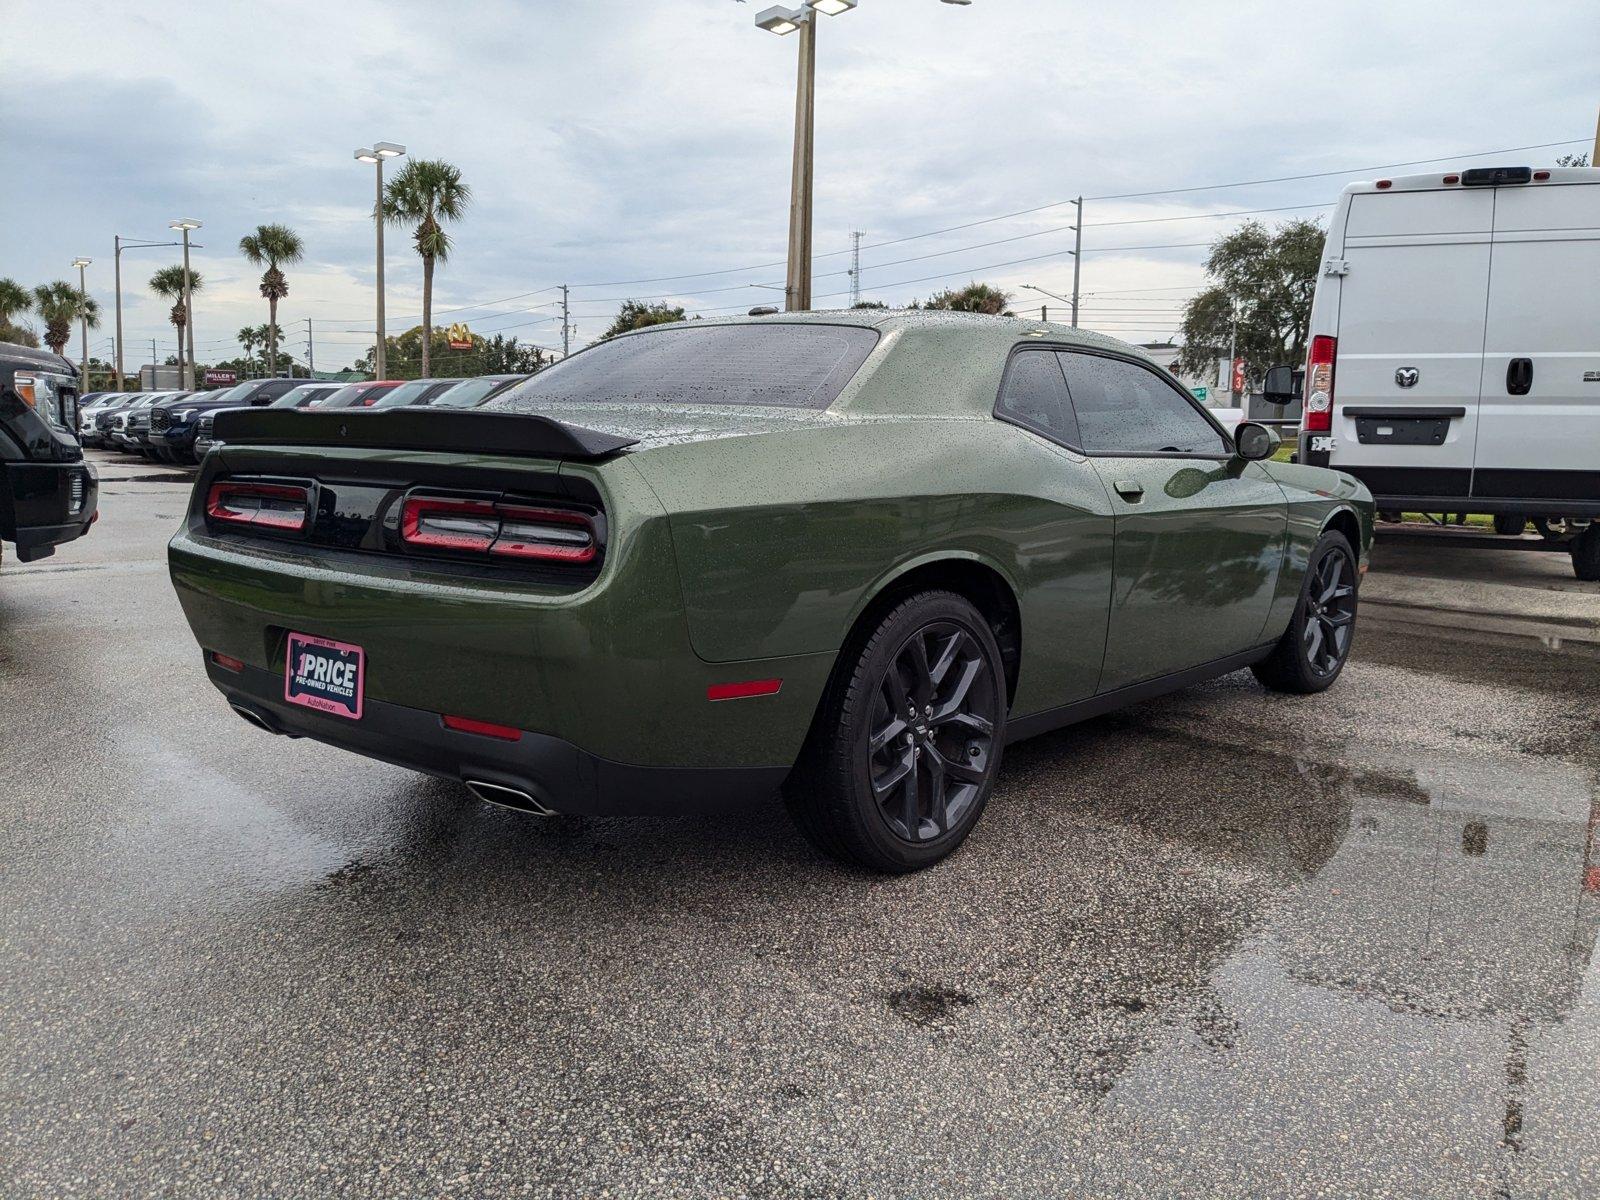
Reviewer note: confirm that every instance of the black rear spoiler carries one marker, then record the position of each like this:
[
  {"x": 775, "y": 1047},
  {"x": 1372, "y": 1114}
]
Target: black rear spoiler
[{"x": 458, "y": 431}]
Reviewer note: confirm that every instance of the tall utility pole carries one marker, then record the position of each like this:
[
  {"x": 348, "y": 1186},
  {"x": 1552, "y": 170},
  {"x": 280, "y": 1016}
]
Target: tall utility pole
[
  {"x": 855, "y": 266},
  {"x": 375, "y": 154},
  {"x": 1077, "y": 258},
  {"x": 566, "y": 324},
  {"x": 1594, "y": 158},
  {"x": 186, "y": 372},
  {"x": 797, "y": 285},
  {"x": 311, "y": 350},
  {"x": 119, "y": 244},
  {"x": 83, "y": 323},
  {"x": 153, "y": 364}
]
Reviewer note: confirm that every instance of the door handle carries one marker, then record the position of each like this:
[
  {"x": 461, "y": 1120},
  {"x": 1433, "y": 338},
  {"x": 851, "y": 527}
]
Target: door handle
[
  {"x": 1129, "y": 489},
  {"x": 1519, "y": 376}
]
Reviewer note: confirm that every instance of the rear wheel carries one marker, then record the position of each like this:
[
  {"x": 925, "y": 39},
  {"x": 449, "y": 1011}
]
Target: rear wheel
[
  {"x": 903, "y": 754},
  {"x": 1585, "y": 551},
  {"x": 1510, "y": 524},
  {"x": 1313, "y": 650}
]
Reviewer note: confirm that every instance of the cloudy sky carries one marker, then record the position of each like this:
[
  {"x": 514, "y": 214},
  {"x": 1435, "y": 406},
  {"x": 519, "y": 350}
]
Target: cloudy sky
[{"x": 640, "y": 148}]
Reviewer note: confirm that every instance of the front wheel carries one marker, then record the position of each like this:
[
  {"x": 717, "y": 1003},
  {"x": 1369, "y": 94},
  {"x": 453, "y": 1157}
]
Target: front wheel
[
  {"x": 1315, "y": 647},
  {"x": 1585, "y": 551},
  {"x": 906, "y": 744}
]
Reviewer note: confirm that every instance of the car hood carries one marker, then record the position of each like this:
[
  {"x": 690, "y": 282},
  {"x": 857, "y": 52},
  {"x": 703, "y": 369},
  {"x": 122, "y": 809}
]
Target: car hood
[{"x": 671, "y": 424}]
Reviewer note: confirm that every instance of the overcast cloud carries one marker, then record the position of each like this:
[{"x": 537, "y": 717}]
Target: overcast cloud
[{"x": 622, "y": 140}]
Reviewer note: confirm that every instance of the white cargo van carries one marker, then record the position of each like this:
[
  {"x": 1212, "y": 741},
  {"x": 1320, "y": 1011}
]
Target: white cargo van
[{"x": 1454, "y": 348}]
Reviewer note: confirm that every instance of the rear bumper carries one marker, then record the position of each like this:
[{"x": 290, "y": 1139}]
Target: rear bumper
[
  {"x": 1474, "y": 490},
  {"x": 562, "y": 777},
  {"x": 43, "y": 505}
]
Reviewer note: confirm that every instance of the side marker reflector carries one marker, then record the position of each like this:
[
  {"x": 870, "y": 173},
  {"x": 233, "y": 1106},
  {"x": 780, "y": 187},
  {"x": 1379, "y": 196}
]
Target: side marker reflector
[
  {"x": 741, "y": 691},
  {"x": 505, "y": 733},
  {"x": 226, "y": 663}
]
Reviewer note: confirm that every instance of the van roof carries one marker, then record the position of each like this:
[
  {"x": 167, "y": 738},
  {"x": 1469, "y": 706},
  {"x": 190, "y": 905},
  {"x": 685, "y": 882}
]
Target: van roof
[{"x": 1435, "y": 180}]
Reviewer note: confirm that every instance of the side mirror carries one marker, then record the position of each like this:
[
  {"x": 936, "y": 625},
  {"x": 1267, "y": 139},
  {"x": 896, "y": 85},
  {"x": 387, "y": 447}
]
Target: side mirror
[
  {"x": 1254, "y": 442},
  {"x": 1279, "y": 386}
]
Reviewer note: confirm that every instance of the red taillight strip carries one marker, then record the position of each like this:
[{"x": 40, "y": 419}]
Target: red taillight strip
[
  {"x": 507, "y": 530},
  {"x": 1321, "y": 364},
  {"x": 506, "y": 733},
  {"x": 226, "y": 663},
  {"x": 741, "y": 691},
  {"x": 221, "y": 493}
]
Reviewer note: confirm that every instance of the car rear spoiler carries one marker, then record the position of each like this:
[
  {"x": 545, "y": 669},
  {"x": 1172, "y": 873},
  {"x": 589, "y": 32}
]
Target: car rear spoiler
[{"x": 417, "y": 428}]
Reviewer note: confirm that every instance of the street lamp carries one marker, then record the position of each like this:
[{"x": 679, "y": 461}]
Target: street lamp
[
  {"x": 83, "y": 319},
  {"x": 186, "y": 368},
  {"x": 781, "y": 19},
  {"x": 119, "y": 244},
  {"x": 1077, "y": 263},
  {"x": 375, "y": 154}
]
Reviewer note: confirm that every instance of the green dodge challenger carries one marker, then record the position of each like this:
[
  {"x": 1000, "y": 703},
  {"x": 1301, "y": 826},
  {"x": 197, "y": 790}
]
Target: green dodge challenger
[{"x": 848, "y": 555}]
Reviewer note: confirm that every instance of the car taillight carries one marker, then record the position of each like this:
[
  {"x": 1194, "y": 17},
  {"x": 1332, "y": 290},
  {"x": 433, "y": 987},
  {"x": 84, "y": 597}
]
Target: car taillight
[
  {"x": 1319, "y": 383},
  {"x": 497, "y": 529},
  {"x": 283, "y": 506}
]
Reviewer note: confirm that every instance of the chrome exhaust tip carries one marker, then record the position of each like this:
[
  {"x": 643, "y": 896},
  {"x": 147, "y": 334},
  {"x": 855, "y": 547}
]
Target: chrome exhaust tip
[
  {"x": 255, "y": 718},
  {"x": 507, "y": 797}
]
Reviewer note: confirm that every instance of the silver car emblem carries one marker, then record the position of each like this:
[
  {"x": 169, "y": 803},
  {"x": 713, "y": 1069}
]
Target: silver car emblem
[{"x": 1407, "y": 376}]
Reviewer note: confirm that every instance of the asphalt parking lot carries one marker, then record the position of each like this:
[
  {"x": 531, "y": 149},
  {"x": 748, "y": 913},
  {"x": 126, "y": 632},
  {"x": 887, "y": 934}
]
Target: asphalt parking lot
[{"x": 1224, "y": 943}]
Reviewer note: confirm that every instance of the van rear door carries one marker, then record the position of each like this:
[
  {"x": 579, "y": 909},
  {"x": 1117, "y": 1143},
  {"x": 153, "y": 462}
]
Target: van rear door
[
  {"x": 1410, "y": 353},
  {"x": 1539, "y": 418}
]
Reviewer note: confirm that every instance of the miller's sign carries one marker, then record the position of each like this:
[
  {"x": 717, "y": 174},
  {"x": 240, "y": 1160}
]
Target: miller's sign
[
  {"x": 460, "y": 337},
  {"x": 221, "y": 378}
]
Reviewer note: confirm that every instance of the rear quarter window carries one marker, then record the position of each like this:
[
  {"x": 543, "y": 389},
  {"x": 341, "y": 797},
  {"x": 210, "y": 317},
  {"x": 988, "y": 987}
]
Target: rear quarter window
[{"x": 773, "y": 365}]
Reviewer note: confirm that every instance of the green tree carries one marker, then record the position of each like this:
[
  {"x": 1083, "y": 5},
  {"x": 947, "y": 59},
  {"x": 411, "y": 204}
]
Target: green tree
[
  {"x": 1265, "y": 275},
  {"x": 14, "y": 300},
  {"x": 506, "y": 356},
  {"x": 423, "y": 193},
  {"x": 249, "y": 339},
  {"x": 168, "y": 284},
  {"x": 60, "y": 304},
  {"x": 975, "y": 297},
  {"x": 634, "y": 315},
  {"x": 869, "y": 304},
  {"x": 269, "y": 246},
  {"x": 1573, "y": 160}
]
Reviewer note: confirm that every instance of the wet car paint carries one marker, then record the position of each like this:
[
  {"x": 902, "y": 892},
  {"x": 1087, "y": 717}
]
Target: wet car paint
[{"x": 1221, "y": 943}]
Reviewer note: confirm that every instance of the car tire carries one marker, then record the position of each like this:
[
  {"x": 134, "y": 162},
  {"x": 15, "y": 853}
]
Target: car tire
[
  {"x": 892, "y": 790},
  {"x": 1510, "y": 524},
  {"x": 1585, "y": 551},
  {"x": 1312, "y": 652}
]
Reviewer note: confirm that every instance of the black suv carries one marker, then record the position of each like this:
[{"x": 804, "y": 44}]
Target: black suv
[
  {"x": 48, "y": 493},
  {"x": 175, "y": 423}
]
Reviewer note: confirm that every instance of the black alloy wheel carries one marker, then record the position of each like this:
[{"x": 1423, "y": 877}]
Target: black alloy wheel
[
  {"x": 905, "y": 747},
  {"x": 931, "y": 735},
  {"x": 1329, "y": 613}
]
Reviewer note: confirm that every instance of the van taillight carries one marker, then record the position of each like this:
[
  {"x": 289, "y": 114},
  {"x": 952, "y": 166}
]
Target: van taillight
[
  {"x": 498, "y": 529},
  {"x": 282, "y": 506},
  {"x": 1319, "y": 383}
]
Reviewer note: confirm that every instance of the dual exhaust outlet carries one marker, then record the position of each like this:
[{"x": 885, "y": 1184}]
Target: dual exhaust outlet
[{"x": 499, "y": 794}]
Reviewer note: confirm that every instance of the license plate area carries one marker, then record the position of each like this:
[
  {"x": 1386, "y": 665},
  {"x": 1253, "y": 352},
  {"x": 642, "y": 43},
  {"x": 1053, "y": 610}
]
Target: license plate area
[{"x": 324, "y": 675}]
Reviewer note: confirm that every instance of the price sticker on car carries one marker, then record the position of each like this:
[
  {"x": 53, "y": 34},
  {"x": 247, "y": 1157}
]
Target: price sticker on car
[{"x": 324, "y": 675}]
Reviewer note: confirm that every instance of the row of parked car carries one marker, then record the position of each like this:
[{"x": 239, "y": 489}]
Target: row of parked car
[{"x": 176, "y": 427}]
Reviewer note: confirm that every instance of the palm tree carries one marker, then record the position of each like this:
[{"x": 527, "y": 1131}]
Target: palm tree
[
  {"x": 59, "y": 305},
  {"x": 249, "y": 339},
  {"x": 14, "y": 300},
  {"x": 168, "y": 284},
  {"x": 271, "y": 245},
  {"x": 424, "y": 192}
]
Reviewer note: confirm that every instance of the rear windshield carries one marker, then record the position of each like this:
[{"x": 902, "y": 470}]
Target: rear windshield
[
  {"x": 776, "y": 365},
  {"x": 406, "y": 393},
  {"x": 468, "y": 394}
]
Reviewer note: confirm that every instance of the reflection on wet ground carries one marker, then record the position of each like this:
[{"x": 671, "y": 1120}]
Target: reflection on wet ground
[{"x": 1225, "y": 943}]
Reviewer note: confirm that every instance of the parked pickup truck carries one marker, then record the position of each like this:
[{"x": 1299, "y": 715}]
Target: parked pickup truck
[{"x": 48, "y": 493}]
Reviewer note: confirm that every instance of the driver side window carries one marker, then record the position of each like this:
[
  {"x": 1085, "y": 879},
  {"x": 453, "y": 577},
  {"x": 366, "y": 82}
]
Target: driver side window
[{"x": 1122, "y": 408}]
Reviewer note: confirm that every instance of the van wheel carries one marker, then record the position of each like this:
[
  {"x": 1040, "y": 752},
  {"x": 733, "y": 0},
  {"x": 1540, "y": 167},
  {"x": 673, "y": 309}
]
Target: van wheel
[
  {"x": 1510, "y": 524},
  {"x": 1552, "y": 529},
  {"x": 1585, "y": 551},
  {"x": 906, "y": 744},
  {"x": 1313, "y": 650}
]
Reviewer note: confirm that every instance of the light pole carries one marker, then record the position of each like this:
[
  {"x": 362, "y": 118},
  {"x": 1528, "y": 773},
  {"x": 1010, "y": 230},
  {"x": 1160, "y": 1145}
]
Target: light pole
[
  {"x": 120, "y": 244},
  {"x": 1068, "y": 301},
  {"x": 186, "y": 369},
  {"x": 83, "y": 323},
  {"x": 782, "y": 20},
  {"x": 375, "y": 154}
]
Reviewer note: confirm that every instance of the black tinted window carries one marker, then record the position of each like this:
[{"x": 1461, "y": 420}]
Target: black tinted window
[
  {"x": 1036, "y": 395},
  {"x": 785, "y": 366},
  {"x": 1122, "y": 408}
]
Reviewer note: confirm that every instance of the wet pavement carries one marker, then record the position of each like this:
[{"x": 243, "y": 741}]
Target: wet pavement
[{"x": 1224, "y": 943}]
